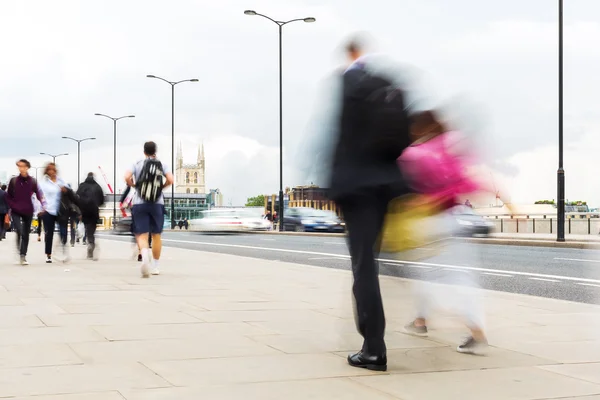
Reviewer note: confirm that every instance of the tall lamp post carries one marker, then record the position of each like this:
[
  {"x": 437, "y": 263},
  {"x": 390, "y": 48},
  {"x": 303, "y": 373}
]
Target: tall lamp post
[
  {"x": 36, "y": 171},
  {"x": 114, "y": 161},
  {"x": 561, "y": 172},
  {"x": 172, "y": 137},
  {"x": 280, "y": 24},
  {"x": 54, "y": 156},
  {"x": 78, "y": 154}
]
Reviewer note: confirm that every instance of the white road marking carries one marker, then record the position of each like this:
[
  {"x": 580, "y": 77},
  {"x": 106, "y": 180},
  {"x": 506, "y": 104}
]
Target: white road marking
[
  {"x": 325, "y": 258},
  {"x": 422, "y": 264},
  {"x": 544, "y": 279},
  {"x": 577, "y": 259},
  {"x": 344, "y": 243},
  {"x": 268, "y": 240},
  {"x": 588, "y": 284},
  {"x": 494, "y": 274}
]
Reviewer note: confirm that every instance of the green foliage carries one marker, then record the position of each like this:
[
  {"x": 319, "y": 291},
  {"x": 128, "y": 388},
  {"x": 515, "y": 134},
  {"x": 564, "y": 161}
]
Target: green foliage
[
  {"x": 257, "y": 201},
  {"x": 545, "y": 202}
]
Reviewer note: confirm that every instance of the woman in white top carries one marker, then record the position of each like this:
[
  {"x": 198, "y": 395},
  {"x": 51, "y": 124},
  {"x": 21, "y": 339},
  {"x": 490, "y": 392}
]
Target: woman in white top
[{"x": 53, "y": 188}]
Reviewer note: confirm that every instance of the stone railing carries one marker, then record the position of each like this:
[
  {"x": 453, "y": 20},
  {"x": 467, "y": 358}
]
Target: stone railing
[{"x": 575, "y": 223}]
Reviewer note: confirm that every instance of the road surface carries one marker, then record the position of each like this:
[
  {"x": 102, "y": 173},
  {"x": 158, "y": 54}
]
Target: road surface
[{"x": 566, "y": 274}]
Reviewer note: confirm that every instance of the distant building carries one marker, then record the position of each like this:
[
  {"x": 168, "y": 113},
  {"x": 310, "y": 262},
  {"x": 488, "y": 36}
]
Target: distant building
[
  {"x": 311, "y": 196},
  {"x": 215, "y": 198},
  {"x": 190, "y": 178},
  {"x": 3, "y": 177}
]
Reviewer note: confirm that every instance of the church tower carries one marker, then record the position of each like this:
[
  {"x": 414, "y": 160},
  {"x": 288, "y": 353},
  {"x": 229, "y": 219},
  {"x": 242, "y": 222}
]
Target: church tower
[{"x": 190, "y": 178}]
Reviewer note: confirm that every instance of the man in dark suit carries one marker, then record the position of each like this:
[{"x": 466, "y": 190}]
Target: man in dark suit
[{"x": 364, "y": 178}]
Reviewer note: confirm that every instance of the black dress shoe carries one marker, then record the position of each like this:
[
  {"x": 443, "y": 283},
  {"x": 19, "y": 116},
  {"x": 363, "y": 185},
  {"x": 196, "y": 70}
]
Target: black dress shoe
[{"x": 368, "y": 361}]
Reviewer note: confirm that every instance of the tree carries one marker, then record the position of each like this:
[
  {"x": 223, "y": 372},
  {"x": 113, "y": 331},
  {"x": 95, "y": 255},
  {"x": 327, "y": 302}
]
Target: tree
[
  {"x": 258, "y": 201},
  {"x": 545, "y": 202}
]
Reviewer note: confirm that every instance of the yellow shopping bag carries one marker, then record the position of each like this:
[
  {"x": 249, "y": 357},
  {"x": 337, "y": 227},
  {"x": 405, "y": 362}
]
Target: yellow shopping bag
[{"x": 406, "y": 226}]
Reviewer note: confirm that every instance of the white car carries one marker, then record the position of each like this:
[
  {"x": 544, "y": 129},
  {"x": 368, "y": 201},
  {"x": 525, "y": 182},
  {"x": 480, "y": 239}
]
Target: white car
[{"x": 230, "y": 220}]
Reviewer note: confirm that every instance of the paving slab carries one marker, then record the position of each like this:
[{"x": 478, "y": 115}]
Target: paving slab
[{"x": 220, "y": 326}]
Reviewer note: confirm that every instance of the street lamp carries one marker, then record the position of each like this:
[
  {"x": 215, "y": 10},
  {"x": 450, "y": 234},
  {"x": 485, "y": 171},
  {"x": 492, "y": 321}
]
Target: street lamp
[
  {"x": 78, "y": 154},
  {"x": 280, "y": 24},
  {"x": 36, "y": 171},
  {"x": 54, "y": 156},
  {"x": 561, "y": 172},
  {"x": 172, "y": 137},
  {"x": 115, "y": 161}
]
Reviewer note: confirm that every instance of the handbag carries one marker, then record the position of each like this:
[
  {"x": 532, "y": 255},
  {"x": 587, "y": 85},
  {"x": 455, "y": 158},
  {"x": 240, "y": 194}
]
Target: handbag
[{"x": 409, "y": 227}]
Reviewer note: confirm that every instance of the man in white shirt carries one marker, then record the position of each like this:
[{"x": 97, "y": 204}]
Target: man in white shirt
[{"x": 149, "y": 216}]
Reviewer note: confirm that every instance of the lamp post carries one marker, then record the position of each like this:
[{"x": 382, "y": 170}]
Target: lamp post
[
  {"x": 280, "y": 25},
  {"x": 36, "y": 171},
  {"x": 114, "y": 161},
  {"x": 78, "y": 154},
  {"x": 54, "y": 156},
  {"x": 560, "y": 232},
  {"x": 172, "y": 137}
]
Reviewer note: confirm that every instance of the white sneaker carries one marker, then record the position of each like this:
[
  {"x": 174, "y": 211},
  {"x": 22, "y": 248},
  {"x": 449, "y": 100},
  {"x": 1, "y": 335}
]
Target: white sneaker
[
  {"x": 23, "y": 261},
  {"x": 155, "y": 271},
  {"x": 145, "y": 270}
]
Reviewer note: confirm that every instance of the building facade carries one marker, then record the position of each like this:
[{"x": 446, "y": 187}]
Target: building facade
[{"x": 190, "y": 178}]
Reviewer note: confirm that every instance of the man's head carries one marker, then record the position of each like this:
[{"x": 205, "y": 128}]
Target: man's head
[
  {"x": 23, "y": 166},
  {"x": 3, "y": 187},
  {"x": 90, "y": 175},
  {"x": 357, "y": 46},
  {"x": 150, "y": 149}
]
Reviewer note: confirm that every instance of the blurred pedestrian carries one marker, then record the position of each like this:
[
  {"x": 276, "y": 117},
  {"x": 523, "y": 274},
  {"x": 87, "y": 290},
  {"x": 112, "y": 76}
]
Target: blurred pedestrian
[
  {"x": 91, "y": 198},
  {"x": 60, "y": 201},
  {"x": 372, "y": 132},
  {"x": 149, "y": 176},
  {"x": 19, "y": 191},
  {"x": 3, "y": 212}
]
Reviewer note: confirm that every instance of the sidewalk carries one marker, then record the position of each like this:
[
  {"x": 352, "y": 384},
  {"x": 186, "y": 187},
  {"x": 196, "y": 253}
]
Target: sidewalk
[{"x": 216, "y": 326}]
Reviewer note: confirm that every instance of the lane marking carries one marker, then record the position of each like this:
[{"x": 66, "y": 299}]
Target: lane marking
[
  {"x": 577, "y": 259},
  {"x": 494, "y": 274},
  {"x": 412, "y": 263},
  {"x": 544, "y": 279},
  {"x": 588, "y": 284},
  {"x": 344, "y": 243},
  {"x": 325, "y": 258},
  {"x": 268, "y": 240}
]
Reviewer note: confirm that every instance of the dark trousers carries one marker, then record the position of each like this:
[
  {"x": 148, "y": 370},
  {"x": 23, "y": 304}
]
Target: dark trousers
[
  {"x": 39, "y": 227},
  {"x": 90, "y": 232},
  {"x": 73, "y": 225},
  {"x": 364, "y": 214},
  {"x": 49, "y": 225},
  {"x": 22, "y": 225},
  {"x": 2, "y": 227}
]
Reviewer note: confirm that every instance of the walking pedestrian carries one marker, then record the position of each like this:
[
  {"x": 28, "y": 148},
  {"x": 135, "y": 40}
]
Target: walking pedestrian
[
  {"x": 91, "y": 198},
  {"x": 3, "y": 212},
  {"x": 20, "y": 189},
  {"x": 373, "y": 130},
  {"x": 59, "y": 199},
  {"x": 149, "y": 176}
]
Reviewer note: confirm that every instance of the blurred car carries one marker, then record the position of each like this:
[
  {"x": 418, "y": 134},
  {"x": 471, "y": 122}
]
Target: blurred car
[
  {"x": 470, "y": 223},
  {"x": 230, "y": 220},
  {"x": 305, "y": 219},
  {"x": 123, "y": 226}
]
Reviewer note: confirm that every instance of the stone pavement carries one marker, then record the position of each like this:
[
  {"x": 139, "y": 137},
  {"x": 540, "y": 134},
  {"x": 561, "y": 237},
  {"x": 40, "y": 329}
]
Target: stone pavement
[{"x": 216, "y": 326}]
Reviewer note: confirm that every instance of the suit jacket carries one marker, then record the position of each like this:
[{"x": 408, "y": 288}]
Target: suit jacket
[{"x": 356, "y": 165}]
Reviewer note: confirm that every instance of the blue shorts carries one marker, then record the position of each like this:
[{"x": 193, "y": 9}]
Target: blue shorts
[{"x": 148, "y": 218}]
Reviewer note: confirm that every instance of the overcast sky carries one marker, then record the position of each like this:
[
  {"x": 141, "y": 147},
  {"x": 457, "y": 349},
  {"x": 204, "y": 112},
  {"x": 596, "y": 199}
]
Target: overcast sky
[{"x": 62, "y": 61}]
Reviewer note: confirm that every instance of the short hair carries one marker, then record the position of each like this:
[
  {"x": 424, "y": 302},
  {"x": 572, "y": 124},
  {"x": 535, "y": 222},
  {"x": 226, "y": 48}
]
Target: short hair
[
  {"x": 90, "y": 174},
  {"x": 150, "y": 148},
  {"x": 3, "y": 187},
  {"x": 24, "y": 161}
]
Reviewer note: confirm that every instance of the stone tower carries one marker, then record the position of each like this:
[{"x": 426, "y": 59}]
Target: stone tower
[{"x": 190, "y": 178}]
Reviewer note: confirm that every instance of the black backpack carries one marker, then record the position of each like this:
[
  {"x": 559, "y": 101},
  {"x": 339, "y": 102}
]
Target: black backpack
[
  {"x": 389, "y": 124},
  {"x": 87, "y": 202},
  {"x": 151, "y": 181}
]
